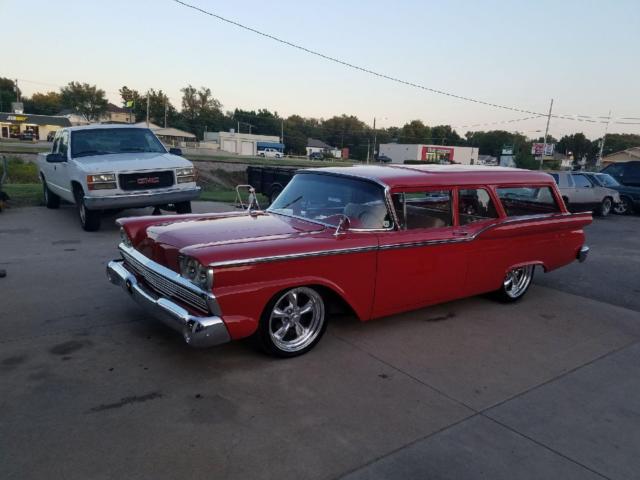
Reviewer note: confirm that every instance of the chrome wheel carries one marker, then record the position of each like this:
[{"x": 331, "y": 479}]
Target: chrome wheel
[
  {"x": 606, "y": 207},
  {"x": 622, "y": 208},
  {"x": 296, "y": 319},
  {"x": 517, "y": 281}
]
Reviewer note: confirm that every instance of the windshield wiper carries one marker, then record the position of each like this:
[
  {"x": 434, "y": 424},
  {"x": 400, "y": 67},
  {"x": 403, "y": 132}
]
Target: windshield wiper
[
  {"x": 290, "y": 203},
  {"x": 86, "y": 153},
  {"x": 136, "y": 149}
]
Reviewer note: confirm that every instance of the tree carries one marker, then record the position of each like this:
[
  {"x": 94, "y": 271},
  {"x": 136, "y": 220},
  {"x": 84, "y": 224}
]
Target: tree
[
  {"x": 414, "y": 132},
  {"x": 615, "y": 142},
  {"x": 201, "y": 111},
  {"x": 49, "y": 103},
  {"x": 577, "y": 145},
  {"x": 8, "y": 94},
  {"x": 88, "y": 100}
]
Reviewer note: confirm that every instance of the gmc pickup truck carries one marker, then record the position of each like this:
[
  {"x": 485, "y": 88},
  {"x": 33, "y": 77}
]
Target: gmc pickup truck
[{"x": 106, "y": 167}]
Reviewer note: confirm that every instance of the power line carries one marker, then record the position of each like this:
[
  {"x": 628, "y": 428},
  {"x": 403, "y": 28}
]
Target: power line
[{"x": 583, "y": 118}]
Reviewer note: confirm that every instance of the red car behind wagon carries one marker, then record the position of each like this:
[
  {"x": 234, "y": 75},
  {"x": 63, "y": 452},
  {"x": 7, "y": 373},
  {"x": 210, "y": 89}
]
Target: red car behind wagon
[{"x": 379, "y": 240}]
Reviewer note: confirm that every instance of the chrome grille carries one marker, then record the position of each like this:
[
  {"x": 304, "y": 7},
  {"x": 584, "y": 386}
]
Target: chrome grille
[{"x": 165, "y": 286}]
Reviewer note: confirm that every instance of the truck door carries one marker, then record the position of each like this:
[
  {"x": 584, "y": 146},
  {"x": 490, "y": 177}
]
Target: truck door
[{"x": 58, "y": 177}]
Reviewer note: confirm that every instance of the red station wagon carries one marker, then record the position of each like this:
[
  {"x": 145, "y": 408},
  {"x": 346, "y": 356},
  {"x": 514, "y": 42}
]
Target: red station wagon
[{"x": 378, "y": 240}]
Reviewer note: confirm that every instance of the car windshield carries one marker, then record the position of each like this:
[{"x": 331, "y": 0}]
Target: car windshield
[
  {"x": 328, "y": 198},
  {"x": 103, "y": 141},
  {"x": 606, "y": 180}
]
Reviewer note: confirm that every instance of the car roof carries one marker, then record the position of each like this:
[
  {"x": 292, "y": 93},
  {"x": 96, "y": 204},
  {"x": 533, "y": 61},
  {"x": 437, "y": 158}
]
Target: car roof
[
  {"x": 100, "y": 126},
  {"x": 396, "y": 176}
]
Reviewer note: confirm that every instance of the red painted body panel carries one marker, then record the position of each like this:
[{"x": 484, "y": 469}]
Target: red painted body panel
[{"x": 376, "y": 273}]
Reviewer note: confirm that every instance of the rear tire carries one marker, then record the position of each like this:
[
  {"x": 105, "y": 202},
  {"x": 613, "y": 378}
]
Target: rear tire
[
  {"x": 515, "y": 284},
  {"x": 605, "y": 207},
  {"x": 51, "y": 200},
  {"x": 89, "y": 219},
  {"x": 183, "y": 207},
  {"x": 274, "y": 194}
]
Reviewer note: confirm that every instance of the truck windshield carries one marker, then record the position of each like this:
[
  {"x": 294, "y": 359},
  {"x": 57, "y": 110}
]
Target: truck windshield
[
  {"x": 103, "y": 141},
  {"x": 327, "y": 198}
]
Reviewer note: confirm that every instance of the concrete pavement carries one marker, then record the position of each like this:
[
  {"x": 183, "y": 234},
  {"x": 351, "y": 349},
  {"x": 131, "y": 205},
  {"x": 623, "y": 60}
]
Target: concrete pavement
[{"x": 89, "y": 388}]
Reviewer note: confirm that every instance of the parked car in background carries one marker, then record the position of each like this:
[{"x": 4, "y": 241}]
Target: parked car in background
[
  {"x": 51, "y": 135},
  {"x": 375, "y": 240},
  {"x": 28, "y": 135},
  {"x": 384, "y": 159},
  {"x": 627, "y": 173},
  {"x": 270, "y": 153},
  {"x": 629, "y": 194},
  {"x": 581, "y": 193},
  {"x": 103, "y": 167},
  {"x": 316, "y": 156}
]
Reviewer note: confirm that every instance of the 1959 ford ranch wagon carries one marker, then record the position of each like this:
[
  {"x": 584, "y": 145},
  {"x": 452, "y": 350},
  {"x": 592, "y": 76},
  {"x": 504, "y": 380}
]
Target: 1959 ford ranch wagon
[{"x": 378, "y": 240}]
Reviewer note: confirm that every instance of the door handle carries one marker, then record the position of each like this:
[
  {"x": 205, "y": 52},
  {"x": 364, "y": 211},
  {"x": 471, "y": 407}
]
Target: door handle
[{"x": 460, "y": 233}]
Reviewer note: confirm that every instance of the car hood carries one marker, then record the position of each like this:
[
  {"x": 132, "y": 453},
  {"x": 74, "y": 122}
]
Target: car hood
[{"x": 126, "y": 162}]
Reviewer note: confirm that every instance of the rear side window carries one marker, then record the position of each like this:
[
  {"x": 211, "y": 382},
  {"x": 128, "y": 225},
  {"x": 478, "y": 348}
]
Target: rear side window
[
  {"x": 475, "y": 205},
  {"x": 529, "y": 200},
  {"x": 431, "y": 209},
  {"x": 582, "y": 181}
]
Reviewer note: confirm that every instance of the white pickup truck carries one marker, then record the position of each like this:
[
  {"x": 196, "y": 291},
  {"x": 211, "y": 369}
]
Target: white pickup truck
[{"x": 105, "y": 167}]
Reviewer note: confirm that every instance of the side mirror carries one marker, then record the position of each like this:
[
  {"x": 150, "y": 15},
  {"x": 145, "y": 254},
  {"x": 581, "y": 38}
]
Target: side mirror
[
  {"x": 175, "y": 151},
  {"x": 343, "y": 226},
  {"x": 56, "y": 158}
]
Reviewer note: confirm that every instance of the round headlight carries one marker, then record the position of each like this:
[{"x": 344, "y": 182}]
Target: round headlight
[{"x": 191, "y": 272}]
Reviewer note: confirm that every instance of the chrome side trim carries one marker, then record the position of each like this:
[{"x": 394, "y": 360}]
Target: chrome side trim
[
  {"x": 468, "y": 238},
  {"x": 165, "y": 277},
  {"x": 292, "y": 256}
]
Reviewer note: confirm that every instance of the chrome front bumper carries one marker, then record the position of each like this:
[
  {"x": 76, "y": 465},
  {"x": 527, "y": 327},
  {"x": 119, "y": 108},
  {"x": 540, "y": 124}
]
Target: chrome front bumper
[
  {"x": 148, "y": 199},
  {"x": 196, "y": 331},
  {"x": 582, "y": 253}
]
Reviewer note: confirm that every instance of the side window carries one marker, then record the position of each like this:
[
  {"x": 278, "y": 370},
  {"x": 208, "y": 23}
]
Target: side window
[
  {"x": 614, "y": 170},
  {"x": 475, "y": 205},
  {"x": 428, "y": 209},
  {"x": 530, "y": 200},
  {"x": 581, "y": 181},
  {"x": 56, "y": 142},
  {"x": 63, "y": 143}
]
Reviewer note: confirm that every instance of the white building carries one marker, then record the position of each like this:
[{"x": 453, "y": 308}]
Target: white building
[
  {"x": 318, "y": 146},
  {"x": 399, "y": 152},
  {"x": 243, "y": 143}
]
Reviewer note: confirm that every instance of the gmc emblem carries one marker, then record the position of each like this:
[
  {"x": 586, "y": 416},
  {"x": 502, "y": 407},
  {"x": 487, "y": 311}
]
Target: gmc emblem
[{"x": 148, "y": 180}]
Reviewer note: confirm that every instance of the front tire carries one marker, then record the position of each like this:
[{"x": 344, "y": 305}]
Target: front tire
[
  {"x": 515, "y": 284},
  {"x": 89, "y": 219},
  {"x": 183, "y": 207},
  {"x": 605, "y": 207},
  {"x": 51, "y": 200},
  {"x": 624, "y": 207},
  {"x": 293, "y": 322}
]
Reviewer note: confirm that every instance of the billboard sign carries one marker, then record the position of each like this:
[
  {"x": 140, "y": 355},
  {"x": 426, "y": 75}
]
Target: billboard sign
[{"x": 536, "y": 149}]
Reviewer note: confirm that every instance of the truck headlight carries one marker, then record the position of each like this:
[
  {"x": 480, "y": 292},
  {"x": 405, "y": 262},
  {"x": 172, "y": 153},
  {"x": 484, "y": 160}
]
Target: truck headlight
[
  {"x": 195, "y": 272},
  {"x": 102, "y": 181},
  {"x": 185, "y": 175}
]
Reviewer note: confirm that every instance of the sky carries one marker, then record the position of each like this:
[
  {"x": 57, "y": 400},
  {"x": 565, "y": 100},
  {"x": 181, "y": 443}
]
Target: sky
[{"x": 583, "y": 54}]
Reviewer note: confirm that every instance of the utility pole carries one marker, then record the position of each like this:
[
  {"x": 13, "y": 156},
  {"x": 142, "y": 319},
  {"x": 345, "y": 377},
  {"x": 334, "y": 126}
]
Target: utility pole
[
  {"x": 165, "y": 111},
  {"x": 147, "y": 108},
  {"x": 368, "y": 148},
  {"x": 544, "y": 144},
  {"x": 282, "y": 131},
  {"x": 238, "y": 126},
  {"x": 599, "y": 159},
  {"x": 374, "y": 138},
  {"x": 17, "y": 90}
]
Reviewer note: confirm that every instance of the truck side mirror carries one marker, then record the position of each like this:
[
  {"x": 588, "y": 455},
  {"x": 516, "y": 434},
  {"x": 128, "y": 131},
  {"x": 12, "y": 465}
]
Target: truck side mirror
[
  {"x": 175, "y": 151},
  {"x": 56, "y": 158}
]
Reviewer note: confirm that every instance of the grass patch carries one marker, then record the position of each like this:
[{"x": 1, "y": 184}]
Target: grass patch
[
  {"x": 227, "y": 195},
  {"x": 19, "y": 171},
  {"x": 271, "y": 162},
  {"x": 11, "y": 147},
  {"x": 24, "y": 195}
]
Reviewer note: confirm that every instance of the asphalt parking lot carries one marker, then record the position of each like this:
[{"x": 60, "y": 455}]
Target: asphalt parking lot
[{"x": 90, "y": 389}]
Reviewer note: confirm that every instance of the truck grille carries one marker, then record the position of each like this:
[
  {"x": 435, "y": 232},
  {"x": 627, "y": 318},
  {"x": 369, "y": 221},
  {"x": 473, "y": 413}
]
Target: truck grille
[
  {"x": 146, "y": 180},
  {"x": 165, "y": 286}
]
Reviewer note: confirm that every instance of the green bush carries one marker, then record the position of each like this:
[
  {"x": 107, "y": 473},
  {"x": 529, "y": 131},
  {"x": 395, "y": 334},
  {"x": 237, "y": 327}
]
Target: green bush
[{"x": 19, "y": 171}]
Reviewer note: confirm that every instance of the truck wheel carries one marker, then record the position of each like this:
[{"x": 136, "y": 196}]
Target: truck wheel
[
  {"x": 183, "y": 207},
  {"x": 515, "y": 285},
  {"x": 51, "y": 200},
  {"x": 605, "y": 207},
  {"x": 89, "y": 219},
  {"x": 624, "y": 207},
  {"x": 293, "y": 322},
  {"x": 274, "y": 194}
]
